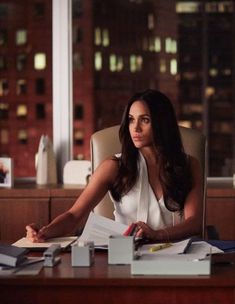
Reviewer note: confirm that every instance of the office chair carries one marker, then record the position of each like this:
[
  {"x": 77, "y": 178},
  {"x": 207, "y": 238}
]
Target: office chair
[{"x": 105, "y": 143}]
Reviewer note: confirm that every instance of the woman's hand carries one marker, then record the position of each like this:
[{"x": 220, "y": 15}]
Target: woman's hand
[
  {"x": 144, "y": 231},
  {"x": 34, "y": 234}
]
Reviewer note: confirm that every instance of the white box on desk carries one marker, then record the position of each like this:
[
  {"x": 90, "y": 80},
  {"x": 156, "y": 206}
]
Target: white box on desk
[
  {"x": 82, "y": 253},
  {"x": 120, "y": 249},
  {"x": 170, "y": 265}
]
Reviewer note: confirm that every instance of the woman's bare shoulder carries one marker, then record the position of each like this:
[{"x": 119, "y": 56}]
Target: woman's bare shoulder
[{"x": 108, "y": 169}]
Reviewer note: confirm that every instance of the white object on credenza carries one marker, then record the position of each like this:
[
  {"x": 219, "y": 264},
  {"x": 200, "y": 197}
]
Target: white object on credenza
[{"x": 77, "y": 172}]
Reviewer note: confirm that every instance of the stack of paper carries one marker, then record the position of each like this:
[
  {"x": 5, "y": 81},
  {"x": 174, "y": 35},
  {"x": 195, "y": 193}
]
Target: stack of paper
[{"x": 174, "y": 261}]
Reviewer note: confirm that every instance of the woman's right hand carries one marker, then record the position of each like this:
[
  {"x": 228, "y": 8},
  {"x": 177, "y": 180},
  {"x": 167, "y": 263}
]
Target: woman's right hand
[{"x": 34, "y": 234}]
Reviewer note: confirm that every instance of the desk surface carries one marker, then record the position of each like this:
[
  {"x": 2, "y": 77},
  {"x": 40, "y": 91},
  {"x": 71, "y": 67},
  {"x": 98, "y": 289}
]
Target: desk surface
[{"x": 103, "y": 283}]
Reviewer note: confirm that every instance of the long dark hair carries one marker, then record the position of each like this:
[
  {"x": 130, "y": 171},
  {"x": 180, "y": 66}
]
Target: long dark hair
[{"x": 174, "y": 174}]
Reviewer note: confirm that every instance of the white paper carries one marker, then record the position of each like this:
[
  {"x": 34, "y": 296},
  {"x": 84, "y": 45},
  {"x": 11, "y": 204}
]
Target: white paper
[
  {"x": 196, "y": 251},
  {"x": 62, "y": 241},
  {"x": 98, "y": 229},
  {"x": 176, "y": 248}
]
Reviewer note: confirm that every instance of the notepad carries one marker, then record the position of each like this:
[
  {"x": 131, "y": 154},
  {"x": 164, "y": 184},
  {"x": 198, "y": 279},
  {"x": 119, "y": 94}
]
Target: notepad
[{"x": 64, "y": 242}]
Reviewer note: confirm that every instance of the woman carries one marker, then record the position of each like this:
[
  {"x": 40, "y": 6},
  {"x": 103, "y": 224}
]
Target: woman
[{"x": 152, "y": 182}]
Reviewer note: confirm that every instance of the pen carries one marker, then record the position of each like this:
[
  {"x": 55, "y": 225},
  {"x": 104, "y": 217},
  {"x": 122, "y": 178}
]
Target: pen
[
  {"x": 159, "y": 247},
  {"x": 131, "y": 230}
]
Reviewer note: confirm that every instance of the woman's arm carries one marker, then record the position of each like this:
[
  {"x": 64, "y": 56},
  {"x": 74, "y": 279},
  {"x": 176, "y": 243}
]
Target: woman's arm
[
  {"x": 193, "y": 213},
  {"x": 75, "y": 218}
]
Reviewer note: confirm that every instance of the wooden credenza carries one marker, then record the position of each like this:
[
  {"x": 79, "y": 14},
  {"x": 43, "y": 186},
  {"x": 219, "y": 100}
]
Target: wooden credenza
[
  {"x": 220, "y": 211},
  {"x": 28, "y": 203}
]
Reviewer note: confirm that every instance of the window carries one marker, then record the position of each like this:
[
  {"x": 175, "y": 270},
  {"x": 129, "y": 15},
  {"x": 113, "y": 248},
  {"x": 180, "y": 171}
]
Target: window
[
  {"x": 21, "y": 62},
  {"x": 3, "y": 36},
  {"x": 39, "y": 9},
  {"x": 77, "y": 61},
  {"x": 21, "y": 37},
  {"x": 98, "y": 61},
  {"x": 21, "y": 111},
  {"x": 150, "y": 21},
  {"x": 40, "y": 86},
  {"x": 4, "y": 136},
  {"x": 40, "y": 111},
  {"x": 4, "y": 110},
  {"x": 3, "y": 63},
  {"x": 23, "y": 136},
  {"x": 162, "y": 66},
  {"x": 78, "y": 137},
  {"x": 173, "y": 66},
  {"x": 78, "y": 112},
  {"x": 40, "y": 61},
  {"x": 21, "y": 87},
  {"x": 3, "y": 87},
  {"x": 136, "y": 63}
]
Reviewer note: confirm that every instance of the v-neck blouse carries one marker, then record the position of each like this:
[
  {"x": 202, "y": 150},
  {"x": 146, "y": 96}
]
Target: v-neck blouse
[{"x": 141, "y": 204}]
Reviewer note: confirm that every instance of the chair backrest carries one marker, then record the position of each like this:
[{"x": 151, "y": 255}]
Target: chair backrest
[{"x": 105, "y": 143}]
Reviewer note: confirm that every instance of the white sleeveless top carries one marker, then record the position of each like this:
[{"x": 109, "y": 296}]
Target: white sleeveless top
[{"x": 141, "y": 204}]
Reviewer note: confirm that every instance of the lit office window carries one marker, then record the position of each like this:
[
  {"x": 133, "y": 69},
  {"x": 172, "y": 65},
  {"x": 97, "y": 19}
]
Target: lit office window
[
  {"x": 173, "y": 46},
  {"x": 170, "y": 45},
  {"x": 133, "y": 67},
  {"x": 4, "y": 136},
  {"x": 213, "y": 72},
  {"x": 162, "y": 66},
  {"x": 136, "y": 63},
  {"x": 4, "y": 110},
  {"x": 21, "y": 37},
  {"x": 188, "y": 7},
  {"x": 21, "y": 111},
  {"x": 173, "y": 66},
  {"x": 23, "y": 136},
  {"x": 40, "y": 61},
  {"x": 227, "y": 72},
  {"x": 185, "y": 123},
  {"x": 97, "y": 36},
  {"x": 21, "y": 61},
  {"x": 120, "y": 63},
  {"x": 157, "y": 44},
  {"x": 112, "y": 62},
  {"x": 98, "y": 61},
  {"x": 210, "y": 91},
  {"x": 150, "y": 21},
  {"x": 139, "y": 62},
  {"x": 105, "y": 40},
  {"x": 21, "y": 87},
  {"x": 3, "y": 87}
]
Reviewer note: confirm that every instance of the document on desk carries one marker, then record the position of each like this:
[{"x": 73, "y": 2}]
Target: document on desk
[
  {"x": 98, "y": 229},
  {"x": 64, "y": 242}
]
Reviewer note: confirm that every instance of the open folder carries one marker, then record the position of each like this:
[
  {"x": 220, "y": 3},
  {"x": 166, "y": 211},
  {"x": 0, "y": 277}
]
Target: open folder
[{"x": 97, "y": 229}]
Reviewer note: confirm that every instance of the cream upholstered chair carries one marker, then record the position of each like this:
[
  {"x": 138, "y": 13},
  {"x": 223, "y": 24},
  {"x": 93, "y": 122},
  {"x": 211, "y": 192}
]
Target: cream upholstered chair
[{"x": 105, "y": 143}]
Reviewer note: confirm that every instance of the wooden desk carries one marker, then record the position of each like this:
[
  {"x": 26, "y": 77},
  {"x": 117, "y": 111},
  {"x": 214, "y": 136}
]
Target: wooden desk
[{"x": 103, "y": 283}]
